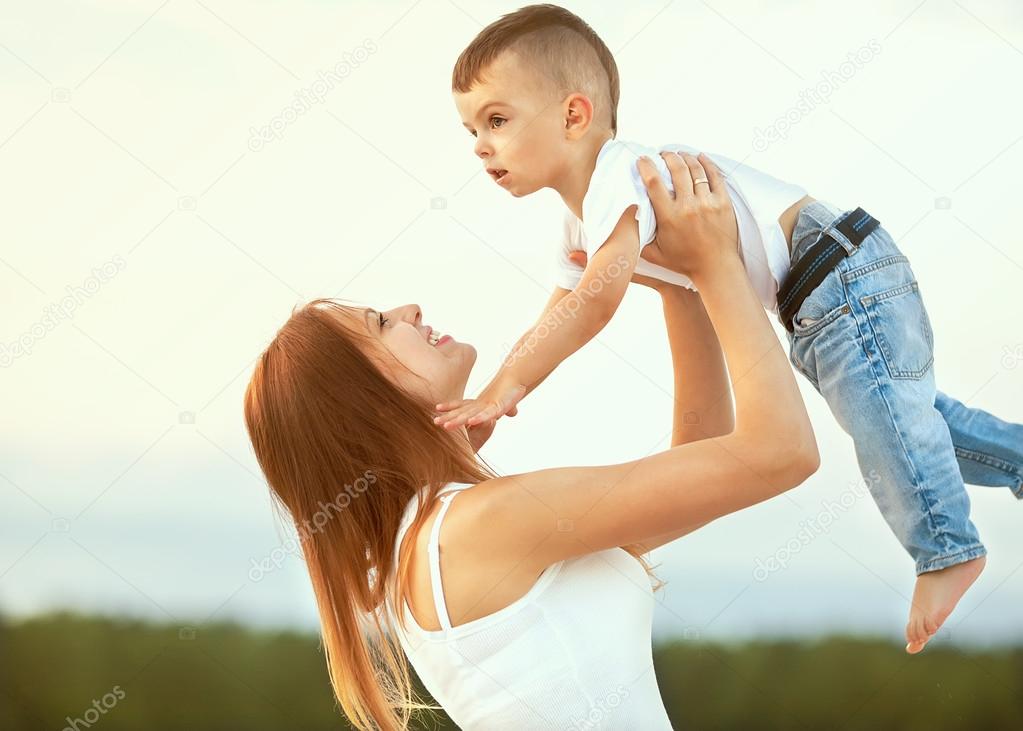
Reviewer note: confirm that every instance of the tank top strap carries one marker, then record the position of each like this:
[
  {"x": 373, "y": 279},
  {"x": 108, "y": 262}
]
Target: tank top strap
[
  {"x": 446, "y": 495},
  {"x": 451, "y": 486}
]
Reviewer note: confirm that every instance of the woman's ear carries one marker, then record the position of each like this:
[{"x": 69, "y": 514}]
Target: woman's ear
[{"x": 578, "y": 115}]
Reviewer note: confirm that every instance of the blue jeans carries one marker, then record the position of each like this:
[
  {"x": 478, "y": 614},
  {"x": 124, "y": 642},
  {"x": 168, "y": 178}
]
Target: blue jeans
[{"x": 864, "y": 340}]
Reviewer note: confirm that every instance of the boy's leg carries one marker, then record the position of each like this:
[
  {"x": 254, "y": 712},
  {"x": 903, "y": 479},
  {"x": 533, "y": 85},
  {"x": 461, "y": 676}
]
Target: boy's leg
[
  {"x": 864, "y": 340},
  {"x": 989, "y": 450}
]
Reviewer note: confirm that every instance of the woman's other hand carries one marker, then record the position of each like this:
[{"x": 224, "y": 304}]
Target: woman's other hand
[{"x": 696, "y": 227}]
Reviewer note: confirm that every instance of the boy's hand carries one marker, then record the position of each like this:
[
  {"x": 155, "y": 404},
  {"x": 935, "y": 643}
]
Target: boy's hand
[
  {"x": 480, "y": 434},
  {"x": 497, "y": 400}
]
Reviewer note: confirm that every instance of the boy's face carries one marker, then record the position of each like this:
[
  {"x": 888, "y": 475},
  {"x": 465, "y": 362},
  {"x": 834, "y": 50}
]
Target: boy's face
[{"x": 518, "y": 125}]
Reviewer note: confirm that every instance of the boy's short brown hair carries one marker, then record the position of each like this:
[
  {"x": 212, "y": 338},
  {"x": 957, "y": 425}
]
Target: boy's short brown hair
[{"x": 557, "y": 44}]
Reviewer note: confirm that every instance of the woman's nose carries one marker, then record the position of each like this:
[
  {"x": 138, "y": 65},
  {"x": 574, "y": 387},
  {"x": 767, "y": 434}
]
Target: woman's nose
[{"x": 412, "y": 312}]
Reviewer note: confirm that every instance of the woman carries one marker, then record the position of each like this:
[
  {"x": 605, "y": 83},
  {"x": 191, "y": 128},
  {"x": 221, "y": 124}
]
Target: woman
[{"x": 543, "y": 618}]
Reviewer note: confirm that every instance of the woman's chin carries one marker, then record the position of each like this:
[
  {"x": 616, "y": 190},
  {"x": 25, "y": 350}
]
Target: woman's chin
[{"x": 468, "y": 359}]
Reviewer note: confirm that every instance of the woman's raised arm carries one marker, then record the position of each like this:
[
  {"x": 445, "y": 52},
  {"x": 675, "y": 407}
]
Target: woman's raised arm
[{"x": 554, "y": 514}]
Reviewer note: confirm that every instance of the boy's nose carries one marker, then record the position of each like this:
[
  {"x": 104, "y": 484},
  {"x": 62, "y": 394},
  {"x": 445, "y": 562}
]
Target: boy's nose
[{"x": 482, "y": 149}]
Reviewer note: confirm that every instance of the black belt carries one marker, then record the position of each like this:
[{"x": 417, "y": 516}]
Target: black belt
[{"x": 818, "y": 261}]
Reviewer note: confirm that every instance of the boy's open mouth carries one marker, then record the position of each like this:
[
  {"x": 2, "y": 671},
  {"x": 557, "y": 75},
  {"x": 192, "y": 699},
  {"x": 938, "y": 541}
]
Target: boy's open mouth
[{"x": 496, "y": 173}]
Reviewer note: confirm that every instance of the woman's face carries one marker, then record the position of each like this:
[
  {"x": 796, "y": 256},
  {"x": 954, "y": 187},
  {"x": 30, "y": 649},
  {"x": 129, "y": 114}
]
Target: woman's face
[{"x": 439, "y": 366}]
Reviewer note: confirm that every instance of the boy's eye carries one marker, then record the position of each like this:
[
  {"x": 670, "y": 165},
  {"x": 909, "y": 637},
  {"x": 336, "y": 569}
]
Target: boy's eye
[{"x": 494, "y": 121}]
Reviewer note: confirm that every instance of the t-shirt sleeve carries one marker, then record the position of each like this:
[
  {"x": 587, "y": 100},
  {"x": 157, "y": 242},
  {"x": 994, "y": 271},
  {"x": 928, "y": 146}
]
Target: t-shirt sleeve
[
  {"x": 569, "y": 274},
  {"x": 614, "y": 187}
]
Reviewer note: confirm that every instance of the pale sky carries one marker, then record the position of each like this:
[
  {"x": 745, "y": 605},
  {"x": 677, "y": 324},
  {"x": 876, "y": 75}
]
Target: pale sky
[{"x": 137, "y": 192}]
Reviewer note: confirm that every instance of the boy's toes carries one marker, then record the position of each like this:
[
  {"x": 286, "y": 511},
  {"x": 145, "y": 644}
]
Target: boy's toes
[
  {"x": 916, "y": 633},
  {"x": 919, "y": 631},
  {"x": 915, "y": 647}
]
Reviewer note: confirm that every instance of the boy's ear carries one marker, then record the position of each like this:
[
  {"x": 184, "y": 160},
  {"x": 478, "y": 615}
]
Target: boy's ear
[{"x": 578, "y": 115}]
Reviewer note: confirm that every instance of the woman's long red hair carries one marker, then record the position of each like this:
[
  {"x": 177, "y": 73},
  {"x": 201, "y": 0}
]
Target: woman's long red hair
[{"x": 344, "y": 450}]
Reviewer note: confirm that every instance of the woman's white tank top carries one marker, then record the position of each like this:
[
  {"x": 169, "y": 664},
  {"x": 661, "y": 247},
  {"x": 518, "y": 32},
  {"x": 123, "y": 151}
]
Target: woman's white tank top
[{"x": 574, "y": 652}]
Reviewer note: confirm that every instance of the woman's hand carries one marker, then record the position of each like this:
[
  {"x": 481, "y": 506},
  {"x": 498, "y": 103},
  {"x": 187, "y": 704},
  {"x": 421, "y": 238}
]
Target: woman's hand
[{"x": 696, "y": 228}]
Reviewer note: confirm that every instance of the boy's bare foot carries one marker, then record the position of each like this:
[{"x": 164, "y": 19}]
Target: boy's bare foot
[{"x": 935, "y": 596}]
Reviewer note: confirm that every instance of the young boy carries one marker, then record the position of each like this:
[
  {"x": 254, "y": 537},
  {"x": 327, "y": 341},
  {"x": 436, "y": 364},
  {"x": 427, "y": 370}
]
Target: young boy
[{"x": 538, "y": 90}]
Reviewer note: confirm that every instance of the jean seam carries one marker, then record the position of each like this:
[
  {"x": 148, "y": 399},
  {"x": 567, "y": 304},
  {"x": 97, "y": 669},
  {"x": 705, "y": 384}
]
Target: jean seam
[
  {"x": 997, "y": 463},
  {"x": 961, "y": 556},
  {"x": 876, "y": 264},
  {"x": 898, "y": 432}
]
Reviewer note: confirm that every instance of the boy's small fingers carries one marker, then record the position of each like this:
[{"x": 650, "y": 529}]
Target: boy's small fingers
[{"x": 578, "y": 257}]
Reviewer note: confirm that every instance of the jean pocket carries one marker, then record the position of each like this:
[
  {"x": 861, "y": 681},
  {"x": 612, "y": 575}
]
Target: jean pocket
[{"x": 902, "y": 330}]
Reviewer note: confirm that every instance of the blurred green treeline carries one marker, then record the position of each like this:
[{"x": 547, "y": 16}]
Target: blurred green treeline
[{"x": 63, "y": 670}]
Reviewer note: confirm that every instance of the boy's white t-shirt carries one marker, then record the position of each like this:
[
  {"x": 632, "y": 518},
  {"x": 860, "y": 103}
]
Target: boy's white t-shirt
[{"x": 758, "y": 199}]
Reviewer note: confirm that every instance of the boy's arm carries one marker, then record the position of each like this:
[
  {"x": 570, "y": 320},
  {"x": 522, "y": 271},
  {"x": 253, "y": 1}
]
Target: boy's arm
[
  {"x": 572, "y": 322},
  {"x": 557, "y": 295}
]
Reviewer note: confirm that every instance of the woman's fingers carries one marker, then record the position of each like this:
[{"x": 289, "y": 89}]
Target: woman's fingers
[
  {"x": 717, "y": 181},
  {"x": 655, "y": 188},
  {"x": 697, "y": 174},
  {"x": 681, "y": 179}
]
